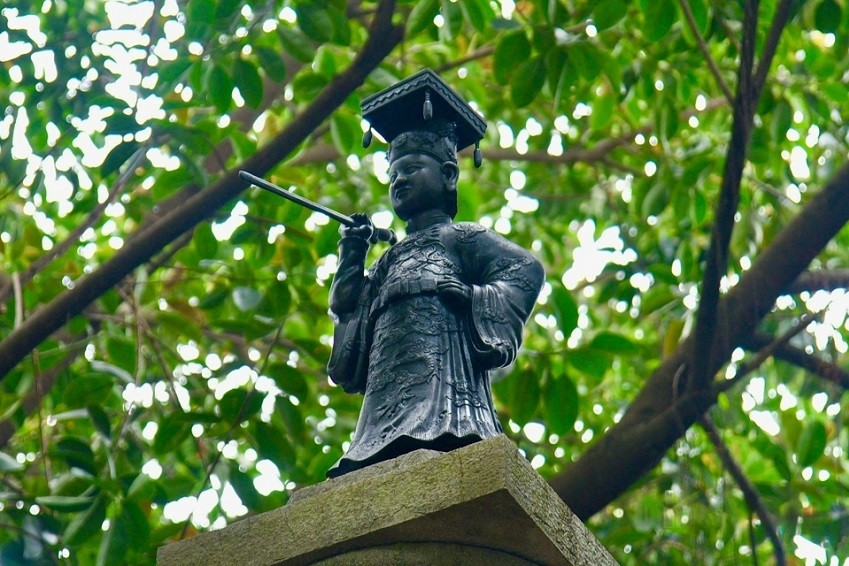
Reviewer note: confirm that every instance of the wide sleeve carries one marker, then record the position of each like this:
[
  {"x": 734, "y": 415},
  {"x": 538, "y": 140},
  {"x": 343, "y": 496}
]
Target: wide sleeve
[
  {"x": 350, "y": 299},
  {"x": 508, "y": 280}
]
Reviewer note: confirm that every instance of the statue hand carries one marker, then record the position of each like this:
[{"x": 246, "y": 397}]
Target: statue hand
[
  {"x": 364, "y": 229},
  {"x": 455, "y": 292}
]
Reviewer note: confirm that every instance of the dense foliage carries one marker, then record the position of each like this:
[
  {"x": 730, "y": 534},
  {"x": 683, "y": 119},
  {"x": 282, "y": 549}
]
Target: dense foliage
[{"x": 165, "y": 331}]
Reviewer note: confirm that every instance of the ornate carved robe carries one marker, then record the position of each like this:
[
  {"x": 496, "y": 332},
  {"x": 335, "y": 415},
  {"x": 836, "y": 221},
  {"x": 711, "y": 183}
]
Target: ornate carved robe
[{"x": 421, "y": 364}]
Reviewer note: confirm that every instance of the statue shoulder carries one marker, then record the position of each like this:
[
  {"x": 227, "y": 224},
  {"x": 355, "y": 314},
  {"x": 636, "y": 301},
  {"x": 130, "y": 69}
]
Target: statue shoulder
[{"x": 465, "y": 231}]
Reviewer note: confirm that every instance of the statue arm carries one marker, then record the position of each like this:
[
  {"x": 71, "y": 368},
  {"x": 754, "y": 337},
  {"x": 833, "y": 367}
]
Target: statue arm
[
  {"x": 350, "y": 276},
  {"x": 510, "y": 279},
  {"x": 350, "y": 299}
]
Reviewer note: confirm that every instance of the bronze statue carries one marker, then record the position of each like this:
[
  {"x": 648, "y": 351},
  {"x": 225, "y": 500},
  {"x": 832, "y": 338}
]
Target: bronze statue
[{"x": 418, "y": 333}]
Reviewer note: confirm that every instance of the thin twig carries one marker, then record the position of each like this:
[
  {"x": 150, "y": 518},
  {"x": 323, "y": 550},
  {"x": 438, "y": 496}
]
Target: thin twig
[
  {"x": 762, "y": 355},
  {"x": 828, "y": 371},
  {"x": 691, "y": 22},
  {"x": 753, "y": 498}
]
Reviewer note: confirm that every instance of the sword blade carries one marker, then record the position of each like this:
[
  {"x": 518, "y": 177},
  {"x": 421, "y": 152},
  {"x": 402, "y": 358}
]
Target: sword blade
[{"x": 306, "y": 203}]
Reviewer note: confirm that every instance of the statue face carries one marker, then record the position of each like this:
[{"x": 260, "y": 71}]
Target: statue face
[{"x": 416, "y": 184}]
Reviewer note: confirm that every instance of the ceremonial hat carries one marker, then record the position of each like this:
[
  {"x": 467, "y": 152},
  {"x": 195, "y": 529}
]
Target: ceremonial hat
[{"x": 422, "y": 114}]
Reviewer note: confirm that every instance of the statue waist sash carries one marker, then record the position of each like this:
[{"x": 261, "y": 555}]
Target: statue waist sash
[{"x": 395, "y": 290}]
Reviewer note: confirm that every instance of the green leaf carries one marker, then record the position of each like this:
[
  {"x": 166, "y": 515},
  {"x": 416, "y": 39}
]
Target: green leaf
[
  {"x": 243, "y": 485},
  {"x": 658, "y": 17},
  {"x": 75, "y": 453},
  {"x": 827, "y": 17},
  {"x": 525, "y": 396},
  {"x": 528, "y": 81},
  {"x": 273, "y": 444},
  {"x": 85, "y": 525},
  {"x": 513, "y": 50},
  {"x": 117, "y": 157},
  {"x": 205, "y": 241},
  {"x": 248, "y": 81},
  {"x": 9, "y": 403},
  {"x": 289, "y": 379},
  {"x": 9, "y": 464},
  {"x": 478, "y": 13},
  {"x": 89, "y": 389},
  {"x": 115, "y": 541},
  {"x": 65, "y": 503},
  {"x": 586, "y": 58},
  {"x": 201, "y": 11},
  {"x": 602, "y": 111},
  {"x": 292, "y": 418},
  {"x": 100, "y": 420},
  {"x": 612, "y": 342},
  {"x": 608, "y": 13},
  {"x": 314, "y": 21},
  {"x": 171, "y": 433},
  {"x": 179, "y": 325},
  {"x": 219, "y": 85},
  {"x": 239, "y": 405},
  {"x": 271, "y": 63},
  {"x": 345, "y": 131},
  {"x": 214, "y": 298},
  {"x": 296, "y": 44},
  {"x": 421, "y": 16},
  {"x": 246, "y": 298},
  {"x": 170, "y": 72},
  {"x": 811, "y": 444},
  {"x": 566, "y": 309},
  {"x": 341, "y": 26},
  {"x": 590, "y": 362},
  {"x": 560, "y": 404}
]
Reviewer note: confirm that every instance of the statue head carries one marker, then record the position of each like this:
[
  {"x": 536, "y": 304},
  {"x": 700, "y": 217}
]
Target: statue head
[{"x": 422, "y": 116}]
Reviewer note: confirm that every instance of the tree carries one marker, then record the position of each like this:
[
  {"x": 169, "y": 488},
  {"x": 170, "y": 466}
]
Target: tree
[{"x": 679, "y": 167}]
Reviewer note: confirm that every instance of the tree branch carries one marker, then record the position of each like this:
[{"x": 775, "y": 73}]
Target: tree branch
[
  {"x": 694, "y": 29},
  {"x": 750, "y": 493},
  {"x": 383, "y": 37},
  {"x": 651, "y": 425},
  {"x": 762, "y": 354},
  {"x": 798, "y": 357},
  {"x": 707, "y": 331},
  {"x": 819, "y": 280},
  {"x": 779, "y": 21}
]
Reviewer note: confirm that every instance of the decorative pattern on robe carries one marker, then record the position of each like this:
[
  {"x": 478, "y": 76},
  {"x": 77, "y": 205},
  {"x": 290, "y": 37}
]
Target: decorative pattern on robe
[{"x": 421, "y": 364}]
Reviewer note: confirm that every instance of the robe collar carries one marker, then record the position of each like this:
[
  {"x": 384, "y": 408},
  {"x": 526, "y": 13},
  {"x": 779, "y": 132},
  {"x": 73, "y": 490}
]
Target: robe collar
[{"x": 427, "y": 219}]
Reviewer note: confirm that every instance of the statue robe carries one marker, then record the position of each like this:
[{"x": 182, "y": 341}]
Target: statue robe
[{"x": 422, "y": 364}]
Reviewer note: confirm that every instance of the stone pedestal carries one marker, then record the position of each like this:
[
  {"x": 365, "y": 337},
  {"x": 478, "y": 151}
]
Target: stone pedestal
[{"x": 479, "y": 505}]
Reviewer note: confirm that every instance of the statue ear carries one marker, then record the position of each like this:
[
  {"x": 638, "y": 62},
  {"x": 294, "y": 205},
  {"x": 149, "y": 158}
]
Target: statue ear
[{"x": 451, "y": 172}]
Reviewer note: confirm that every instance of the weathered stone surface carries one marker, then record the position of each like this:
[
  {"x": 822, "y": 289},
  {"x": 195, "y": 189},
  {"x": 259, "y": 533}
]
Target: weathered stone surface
[{"x": 482, "y": 504}]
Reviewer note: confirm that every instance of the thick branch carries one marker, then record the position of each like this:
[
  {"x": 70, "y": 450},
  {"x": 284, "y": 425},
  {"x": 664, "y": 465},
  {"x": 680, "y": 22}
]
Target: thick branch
[
  {"x": 750, "y": 493},
  {"x": 652, "y": 423},
  {"x": 383, "y": 37},
  {"x": 820, "y": 280},
  {"x": 707, "y": 330}
]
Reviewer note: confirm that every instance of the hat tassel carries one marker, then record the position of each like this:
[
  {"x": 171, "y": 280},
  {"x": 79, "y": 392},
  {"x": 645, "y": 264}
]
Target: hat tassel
[
  {"x": 478, "y": 155},
  {"x": 367, "y": 136},
  {"x": 427, "y": 111}
]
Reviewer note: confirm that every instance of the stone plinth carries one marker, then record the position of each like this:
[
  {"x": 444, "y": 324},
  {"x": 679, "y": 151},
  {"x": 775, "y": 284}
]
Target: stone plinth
[{"x": 479, "y": 505}]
